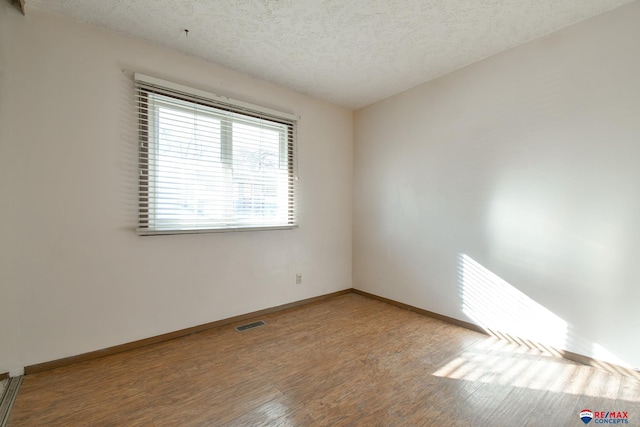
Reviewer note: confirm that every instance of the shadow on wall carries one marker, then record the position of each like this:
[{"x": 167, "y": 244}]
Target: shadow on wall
[{"x": 503, "y": 311}]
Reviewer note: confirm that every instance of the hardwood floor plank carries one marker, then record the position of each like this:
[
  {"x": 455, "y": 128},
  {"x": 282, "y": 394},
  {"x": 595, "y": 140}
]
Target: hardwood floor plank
[
  {"x": 347, "y": 361},
  {"x": 629, "y": 390},
  {"x": 553, "y": 408}
]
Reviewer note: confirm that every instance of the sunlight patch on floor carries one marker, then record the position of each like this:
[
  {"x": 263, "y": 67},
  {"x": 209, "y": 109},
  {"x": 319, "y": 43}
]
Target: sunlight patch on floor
[
  {"x": 529, "y": 369},
  {"x": 527, "y": 341}
]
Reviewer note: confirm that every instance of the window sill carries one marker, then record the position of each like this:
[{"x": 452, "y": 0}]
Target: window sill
[{"x": 147, "y": 232}]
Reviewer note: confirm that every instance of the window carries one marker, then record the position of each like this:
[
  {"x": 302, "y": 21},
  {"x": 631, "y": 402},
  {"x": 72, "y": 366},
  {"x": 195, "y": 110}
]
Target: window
[{"x": 211, "y": 164}]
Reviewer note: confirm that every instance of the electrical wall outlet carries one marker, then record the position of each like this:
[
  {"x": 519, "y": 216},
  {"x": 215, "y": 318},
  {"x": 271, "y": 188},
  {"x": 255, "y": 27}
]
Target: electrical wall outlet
[{"x": 298, "y": 278}]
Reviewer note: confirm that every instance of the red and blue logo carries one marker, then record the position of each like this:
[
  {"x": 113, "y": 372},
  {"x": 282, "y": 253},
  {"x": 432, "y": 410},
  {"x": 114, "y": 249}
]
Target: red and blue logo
[
  {"x": 586, "y": 416},
  {"x": 603, "y": 417}
]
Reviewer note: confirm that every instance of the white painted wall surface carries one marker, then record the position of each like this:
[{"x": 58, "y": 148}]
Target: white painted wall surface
[
  {"x": 508, "y": 192},
  {"x": 74, "y": 275}
]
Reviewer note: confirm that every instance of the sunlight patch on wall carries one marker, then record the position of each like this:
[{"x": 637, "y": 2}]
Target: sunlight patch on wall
[
  {"x": 602, "y": 354},
  {"x": 504, "y": 311}
]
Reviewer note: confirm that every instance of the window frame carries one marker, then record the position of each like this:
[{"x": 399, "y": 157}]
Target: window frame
[{"x": 225, "y": 110}]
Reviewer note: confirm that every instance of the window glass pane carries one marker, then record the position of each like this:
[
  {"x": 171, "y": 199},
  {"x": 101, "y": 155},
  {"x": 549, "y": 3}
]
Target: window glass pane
[
  {"x": 207, "y": 168},
  {"x": 190, "y": 179},
  {"x": 257, "y": 175}
]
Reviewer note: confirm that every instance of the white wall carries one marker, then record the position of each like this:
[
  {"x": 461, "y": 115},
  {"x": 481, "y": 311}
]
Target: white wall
[
  {"x": 510, "y": 183},
  {"x": 508, "y": 193},
  {"x": 74, "y": 275}
]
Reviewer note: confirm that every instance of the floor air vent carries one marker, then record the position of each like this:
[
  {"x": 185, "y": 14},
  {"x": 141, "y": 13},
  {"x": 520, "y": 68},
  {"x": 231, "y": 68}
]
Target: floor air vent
[{"x": 248, "y": 326}]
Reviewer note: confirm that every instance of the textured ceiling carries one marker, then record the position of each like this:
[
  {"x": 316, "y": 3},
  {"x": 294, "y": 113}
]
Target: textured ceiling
[{"x": 349, "y": 52}]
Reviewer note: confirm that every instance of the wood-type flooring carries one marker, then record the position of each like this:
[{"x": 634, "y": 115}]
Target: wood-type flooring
[{"x": 346, "y": 361}]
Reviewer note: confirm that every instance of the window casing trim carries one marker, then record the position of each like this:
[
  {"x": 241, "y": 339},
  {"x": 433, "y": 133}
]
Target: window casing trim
[
  {"x": 148, "y": 232},
  {"x": 212, "y": 99},
  {"x": 145, "y": 86}
]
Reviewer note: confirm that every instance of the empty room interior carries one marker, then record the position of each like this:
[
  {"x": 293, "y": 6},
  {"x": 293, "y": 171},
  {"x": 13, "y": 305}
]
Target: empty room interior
[{"x": 281, "y": 212}]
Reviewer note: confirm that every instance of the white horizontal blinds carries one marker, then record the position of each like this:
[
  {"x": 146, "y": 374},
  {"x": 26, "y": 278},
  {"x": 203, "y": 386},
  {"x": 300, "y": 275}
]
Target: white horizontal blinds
[{"x": 207, "y": 165}]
